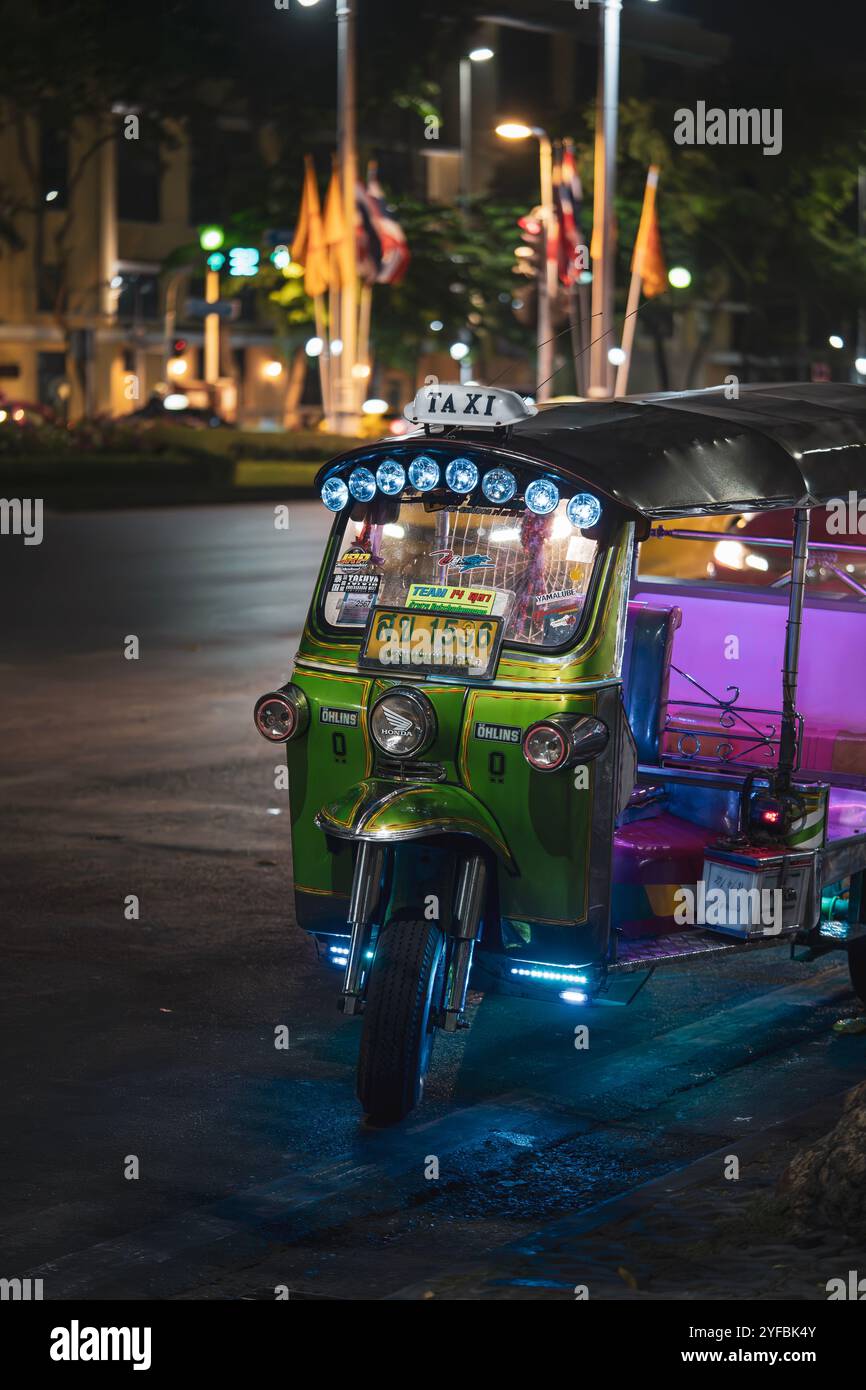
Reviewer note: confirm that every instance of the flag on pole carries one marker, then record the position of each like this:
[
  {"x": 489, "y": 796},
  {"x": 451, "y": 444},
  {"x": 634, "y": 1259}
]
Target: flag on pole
[
  {"x": 648, "y": 259},
  {"x": 336, "y": 233},
  {"x": 569, "y": 212},
  {"x": 383, "y": 252},
  {"x": 308, "y": 247}
]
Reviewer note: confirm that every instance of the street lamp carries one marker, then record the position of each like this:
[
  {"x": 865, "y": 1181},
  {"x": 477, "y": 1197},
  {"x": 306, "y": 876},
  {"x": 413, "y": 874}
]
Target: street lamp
[
  {"x": 680, "y": 277},
  {"x": 476, "y": 55},
  {"x": 517, "y": 130}
]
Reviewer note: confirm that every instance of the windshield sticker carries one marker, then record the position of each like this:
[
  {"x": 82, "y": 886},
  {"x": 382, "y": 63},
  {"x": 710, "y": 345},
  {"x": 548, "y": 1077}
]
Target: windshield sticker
[
  {"x": 446, "y": 559},
  {"x": 356, "y": 583},
  {"x": 355, "y": 557},
  {"x": 557, "y": 596},
  {"x": 450, "y": 598}
]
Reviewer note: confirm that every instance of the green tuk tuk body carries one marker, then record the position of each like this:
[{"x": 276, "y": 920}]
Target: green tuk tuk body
[{"x": 470, "y": 852}]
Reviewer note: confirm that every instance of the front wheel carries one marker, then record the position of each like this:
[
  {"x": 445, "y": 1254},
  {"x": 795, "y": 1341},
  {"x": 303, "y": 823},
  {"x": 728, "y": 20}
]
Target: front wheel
[{"x": 398, "y": 1027}]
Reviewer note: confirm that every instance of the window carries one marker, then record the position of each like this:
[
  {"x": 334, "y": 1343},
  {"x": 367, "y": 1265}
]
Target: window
[
  {"x": 737, "y": 554},
  {"x": 532, "y": 571}
]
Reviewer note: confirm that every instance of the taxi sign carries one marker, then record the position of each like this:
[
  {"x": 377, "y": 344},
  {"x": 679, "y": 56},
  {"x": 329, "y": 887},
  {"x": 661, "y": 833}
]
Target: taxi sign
[{"x": 479, "y": 407}]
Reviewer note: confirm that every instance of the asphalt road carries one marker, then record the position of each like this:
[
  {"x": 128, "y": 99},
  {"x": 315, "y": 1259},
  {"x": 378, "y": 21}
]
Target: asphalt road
[{"x": 153, "y": 1039}]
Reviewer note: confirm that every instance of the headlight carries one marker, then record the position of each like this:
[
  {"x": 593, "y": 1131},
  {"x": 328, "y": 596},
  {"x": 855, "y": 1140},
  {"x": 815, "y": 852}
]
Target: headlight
[
  {"x": 564, "y": 740},
  {"x": 281, "y": 714},
  {"x": 402, "y": 723}
]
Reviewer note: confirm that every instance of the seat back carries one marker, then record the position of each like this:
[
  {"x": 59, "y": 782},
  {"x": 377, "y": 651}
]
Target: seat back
[{"x": 646, "y": 670}]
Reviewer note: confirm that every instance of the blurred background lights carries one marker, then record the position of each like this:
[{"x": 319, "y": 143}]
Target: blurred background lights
[
  {"x": 272, "y": 369},
  {"x": 211, "y": 238},
  {"x": 336, "y": 347},
  {"x": 375, "y": 406},
  {"x": 459, "y": 351},
  {"x": 835, "y": 341},
  {"x": 860, "y": 365},
  {"x": 480, "y": 55},
  {"x": 313, "y": 347},
  {"x": 680, "y": 277},
  {"x": 616, "y": 356},
  {"x": 436, "y": 326},
  {"x": 176, "y": 400},
  {"x": 176, "y": 366}
]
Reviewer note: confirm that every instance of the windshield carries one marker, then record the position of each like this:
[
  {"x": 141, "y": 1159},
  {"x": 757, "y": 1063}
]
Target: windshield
[{"x": 532, "y": 571}]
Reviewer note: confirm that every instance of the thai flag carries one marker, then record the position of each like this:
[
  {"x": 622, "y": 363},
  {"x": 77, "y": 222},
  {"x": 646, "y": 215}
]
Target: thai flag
[
  {"x": 569, "y": 209},
  {"x": 383, "y": 252}
]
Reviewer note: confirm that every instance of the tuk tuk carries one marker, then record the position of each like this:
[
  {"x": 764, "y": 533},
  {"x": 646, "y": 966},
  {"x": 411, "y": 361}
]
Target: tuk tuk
[{"x": 517, "y": 754}]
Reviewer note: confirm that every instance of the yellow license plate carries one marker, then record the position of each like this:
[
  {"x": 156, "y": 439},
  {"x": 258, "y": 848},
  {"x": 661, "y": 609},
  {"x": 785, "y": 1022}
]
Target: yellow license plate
[{"x": 403, "y": 639}]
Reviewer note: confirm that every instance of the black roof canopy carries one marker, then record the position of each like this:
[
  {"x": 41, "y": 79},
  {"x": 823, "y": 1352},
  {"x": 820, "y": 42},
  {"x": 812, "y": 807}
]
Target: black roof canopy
[
  {"x": 690, "y": 452},
  {"x": 698, "y": 452}
]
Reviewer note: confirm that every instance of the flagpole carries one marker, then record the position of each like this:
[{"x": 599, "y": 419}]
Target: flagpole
[{"x": 631, "y": 308}]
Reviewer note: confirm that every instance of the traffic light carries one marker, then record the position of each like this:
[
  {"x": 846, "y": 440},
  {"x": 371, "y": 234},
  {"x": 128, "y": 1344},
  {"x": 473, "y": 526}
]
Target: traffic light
[
  {"x": 529, "y": 264},
  {"x": 178, "y": 347}
]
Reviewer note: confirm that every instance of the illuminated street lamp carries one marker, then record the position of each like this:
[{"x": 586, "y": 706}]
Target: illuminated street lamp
[
  {"x": 481, "y": 54},
  {"x": 836, "y": 342},
  {"x": 517, "y": 130},
  {"x": 860, "y": 365},
  {"x": 680, "y": 277}
]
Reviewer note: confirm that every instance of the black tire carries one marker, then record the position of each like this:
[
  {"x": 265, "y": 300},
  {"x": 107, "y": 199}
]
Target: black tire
[
  {"x": 857, "y": 968},
  {"x": 397, "y": 1033}
]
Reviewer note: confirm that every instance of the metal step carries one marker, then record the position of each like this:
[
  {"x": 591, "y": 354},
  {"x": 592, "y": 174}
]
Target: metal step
[{"x": 646, "y": 952}]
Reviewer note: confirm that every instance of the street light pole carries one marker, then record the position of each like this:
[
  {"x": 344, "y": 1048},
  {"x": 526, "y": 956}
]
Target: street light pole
[
  {"x": 604, "y": 234},
  {"x": 546, "y": 276},
  {"x": 348, "y": 383}
]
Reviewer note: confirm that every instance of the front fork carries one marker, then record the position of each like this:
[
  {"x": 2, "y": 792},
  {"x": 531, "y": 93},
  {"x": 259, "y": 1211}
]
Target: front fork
[{"x": 364, "y": 904}]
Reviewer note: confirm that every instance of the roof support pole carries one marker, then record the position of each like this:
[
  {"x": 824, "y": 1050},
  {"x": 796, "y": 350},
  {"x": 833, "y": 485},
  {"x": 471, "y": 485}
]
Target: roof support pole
[{"x": 788, "y": 751}]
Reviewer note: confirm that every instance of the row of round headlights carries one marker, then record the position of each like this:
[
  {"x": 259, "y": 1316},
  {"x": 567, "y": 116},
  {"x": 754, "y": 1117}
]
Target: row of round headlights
[{"x": 498, "y": 485}]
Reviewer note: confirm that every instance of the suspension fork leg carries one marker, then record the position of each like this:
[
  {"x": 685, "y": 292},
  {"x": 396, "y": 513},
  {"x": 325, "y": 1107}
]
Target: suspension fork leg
[
  {"x": 366, "y": 889},
  {"x": 468, "y": 903}
]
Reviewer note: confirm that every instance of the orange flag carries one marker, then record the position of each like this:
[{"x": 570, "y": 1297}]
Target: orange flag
[
  {"x": 308, "y": 247},
  {"x": 336, "y": 233},
  {"x": 648, "y": 260}
]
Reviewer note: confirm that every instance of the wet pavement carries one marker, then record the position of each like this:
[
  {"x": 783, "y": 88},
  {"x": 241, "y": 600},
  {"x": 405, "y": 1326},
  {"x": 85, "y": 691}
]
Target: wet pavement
[{"x": 154, "y": 1038}]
